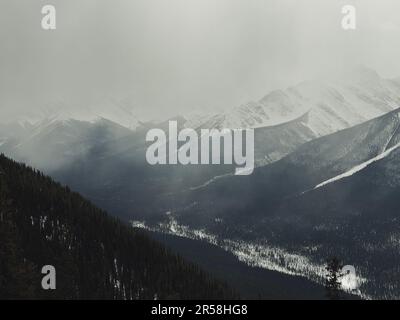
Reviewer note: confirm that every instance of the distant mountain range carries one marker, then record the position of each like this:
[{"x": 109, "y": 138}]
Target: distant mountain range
[
  {"x": 283, "y": 119},
  {"x": 118, "y": 111},
  {"x": 331, "y": 104}
]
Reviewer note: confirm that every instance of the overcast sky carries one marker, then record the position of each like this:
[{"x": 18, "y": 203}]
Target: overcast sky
[{"x": 174, "y": 56}]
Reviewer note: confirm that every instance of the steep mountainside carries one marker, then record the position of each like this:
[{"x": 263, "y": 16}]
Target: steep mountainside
[
  {"x": 332, "y": 103},
  {"x": 336, "y": 195},
  {"x": 95, "y": 256}
]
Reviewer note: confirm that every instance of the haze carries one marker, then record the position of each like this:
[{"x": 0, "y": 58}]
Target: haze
[{"x": 167, "y": 57}]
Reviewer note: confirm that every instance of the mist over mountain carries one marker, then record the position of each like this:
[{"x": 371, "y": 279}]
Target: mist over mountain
[
  {"x": 336, "y": 195},
  {"x": 282, "y": 119},
  {"x": 325, "y": 185},
  {"x": 84, "y": 89},
  {"x": 332, "y": 103}
]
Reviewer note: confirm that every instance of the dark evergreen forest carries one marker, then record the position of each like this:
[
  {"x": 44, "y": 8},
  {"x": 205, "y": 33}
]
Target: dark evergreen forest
[{"x": 95, "y": 256}]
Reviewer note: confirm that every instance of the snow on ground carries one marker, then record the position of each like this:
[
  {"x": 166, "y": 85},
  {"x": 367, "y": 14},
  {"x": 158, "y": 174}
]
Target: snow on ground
[
  {"x": 358, "y": 167},
  {"x": 260, "y": 254}
]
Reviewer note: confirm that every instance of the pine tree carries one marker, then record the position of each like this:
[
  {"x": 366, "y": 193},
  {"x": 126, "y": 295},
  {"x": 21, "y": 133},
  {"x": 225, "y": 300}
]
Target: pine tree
[{"x": 334, "y": 273}]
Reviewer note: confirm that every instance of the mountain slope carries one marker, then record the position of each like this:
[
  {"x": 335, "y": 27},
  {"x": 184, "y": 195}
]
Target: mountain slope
[
  {"x": 316, "y": 161},
  {"x": 333, "y": 196},
  {"x": 332, "y": 103},
  {"x": 107, "y": 162},
  {"x": 95, "y": 256},
  {"x": 52, "y": 144}
]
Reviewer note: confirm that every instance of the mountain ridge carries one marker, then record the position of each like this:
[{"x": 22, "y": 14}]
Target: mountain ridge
[{"x": 354, "y": 218}]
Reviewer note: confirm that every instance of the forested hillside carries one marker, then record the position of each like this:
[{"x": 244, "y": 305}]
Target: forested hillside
[{"x": 95, "y": 256}]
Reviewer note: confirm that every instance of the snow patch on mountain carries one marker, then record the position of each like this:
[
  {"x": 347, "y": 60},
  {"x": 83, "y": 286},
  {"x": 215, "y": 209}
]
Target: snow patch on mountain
[
  {"x": 332, "y": 104},
  {"x": 210, "y": 181},
  {"x": 358, "y": 167}
]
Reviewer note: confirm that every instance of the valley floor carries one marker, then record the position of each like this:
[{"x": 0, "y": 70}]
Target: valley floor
[{"x": 250, "y": 282}]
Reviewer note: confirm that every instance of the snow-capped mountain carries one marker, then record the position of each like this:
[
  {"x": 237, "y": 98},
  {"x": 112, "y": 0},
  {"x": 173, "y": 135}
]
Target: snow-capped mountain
[
  {"x": 334, "y": 196},
  {"x": 57, "y": 134},
  {"x": 54, "y": 143},
  {"x": 332, "y": 104},
  {"x": 111, "y": 110},
  {"x": 285, "y": 119},
  {"x": 314, "y": 164}
]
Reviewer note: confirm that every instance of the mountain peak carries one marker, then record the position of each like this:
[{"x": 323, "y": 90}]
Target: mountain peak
[
  {"x": 59, "y": 112},
  {"x": 334, "y": 102}
]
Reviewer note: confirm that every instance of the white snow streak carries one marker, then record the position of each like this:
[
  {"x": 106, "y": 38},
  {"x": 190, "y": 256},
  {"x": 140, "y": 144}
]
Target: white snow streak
[{"x": 358, "y": 167}]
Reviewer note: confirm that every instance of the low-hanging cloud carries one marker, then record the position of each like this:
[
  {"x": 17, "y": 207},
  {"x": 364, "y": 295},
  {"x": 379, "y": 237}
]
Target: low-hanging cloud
[{"x": 164, "y": 57}]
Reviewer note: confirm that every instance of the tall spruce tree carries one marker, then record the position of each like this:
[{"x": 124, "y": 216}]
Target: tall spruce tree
[{"x": 334, "y": 273}]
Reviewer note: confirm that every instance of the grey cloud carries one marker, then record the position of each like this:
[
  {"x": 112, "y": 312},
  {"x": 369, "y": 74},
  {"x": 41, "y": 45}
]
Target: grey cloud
[{"x": 176, "y": 56}]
